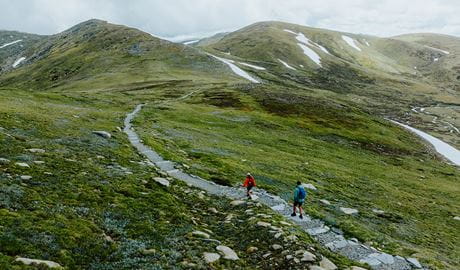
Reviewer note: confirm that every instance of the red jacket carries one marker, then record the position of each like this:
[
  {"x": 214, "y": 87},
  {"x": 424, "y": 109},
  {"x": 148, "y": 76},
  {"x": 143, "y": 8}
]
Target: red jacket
[{"x": 249, "y": 181}]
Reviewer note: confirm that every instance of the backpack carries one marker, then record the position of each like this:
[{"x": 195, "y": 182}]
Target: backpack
[{"x": 302, "y": 193}]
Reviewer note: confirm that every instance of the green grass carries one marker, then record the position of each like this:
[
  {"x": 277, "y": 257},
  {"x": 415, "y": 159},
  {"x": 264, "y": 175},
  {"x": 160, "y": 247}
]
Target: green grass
[
  {"x": 354, "y": 159},
  {"x": 82, "y": 210}
]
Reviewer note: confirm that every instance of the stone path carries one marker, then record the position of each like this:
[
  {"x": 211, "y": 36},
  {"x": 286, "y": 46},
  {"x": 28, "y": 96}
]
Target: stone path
[{"x": 331, "y": 238}]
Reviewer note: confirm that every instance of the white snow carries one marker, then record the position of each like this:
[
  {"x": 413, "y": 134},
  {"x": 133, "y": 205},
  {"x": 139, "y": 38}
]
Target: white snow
[
  {"x": 286, "y": 64},
  {"x": 302, "y": 38},
  {"x": 11, "y": 43},
  {"x": 367, "y": 43},
  {"x": 252, "y": 66},
  {"x": 191, "y": 42},
  {"x": 441, "y": 147},
  {"x": 289, "y": 31},
  {"x": 311, "y": 54},
  {"x": 238, "y": 71},
  {"x": 351, "y": 42},
  {"x": 17, "y": 62},
  {"x": 436, "y": 59},
  {"x": 439, "y": 50}
]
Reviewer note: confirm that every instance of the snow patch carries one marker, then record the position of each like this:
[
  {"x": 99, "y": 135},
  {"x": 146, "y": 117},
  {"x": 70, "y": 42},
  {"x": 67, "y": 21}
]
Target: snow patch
[
  {"x": 252, "y": 66},
  {"x": 289, "y": 31},
  {"x": 11, "y": 43},
  {"x": 17, "y": 62},
  {"x": 238, "y": 71},
  {"x": 441, "y": 147},
  {"x": 286, "y": 64},
  {"x": 351, "y": 42},
  {"x": 302, "y": 38},
  {"x": 191, "y": 42},
  {"x": 311, "y": 54},
  {"x": 436, "y": 49},
  {"x": 367, "y": 43}
]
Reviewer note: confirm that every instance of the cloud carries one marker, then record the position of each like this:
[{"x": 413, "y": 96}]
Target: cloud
[{"x": 191, "y": 18}]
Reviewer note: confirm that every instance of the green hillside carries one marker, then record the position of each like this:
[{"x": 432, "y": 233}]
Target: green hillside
[{"x": 89, "y": 202}]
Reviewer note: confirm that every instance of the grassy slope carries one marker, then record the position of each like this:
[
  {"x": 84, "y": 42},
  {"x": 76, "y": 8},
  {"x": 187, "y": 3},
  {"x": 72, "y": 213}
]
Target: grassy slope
[
  {"x": 90, "y": 214},
  {"x": 355, "y": 160}
]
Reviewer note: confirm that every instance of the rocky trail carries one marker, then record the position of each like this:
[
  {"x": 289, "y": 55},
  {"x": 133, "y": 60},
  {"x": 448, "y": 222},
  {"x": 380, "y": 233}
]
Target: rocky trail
[{"x": 330, "y": 237}]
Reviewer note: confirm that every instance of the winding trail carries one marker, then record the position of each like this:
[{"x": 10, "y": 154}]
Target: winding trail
[{"x": 330, "y": 237}]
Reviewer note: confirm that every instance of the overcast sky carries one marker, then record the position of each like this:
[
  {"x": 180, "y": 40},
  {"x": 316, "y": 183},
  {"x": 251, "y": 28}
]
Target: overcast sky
[{"x": 189, "y": 18}]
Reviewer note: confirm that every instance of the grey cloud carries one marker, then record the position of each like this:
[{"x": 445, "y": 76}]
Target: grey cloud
[{"x": 191, "y": 18}]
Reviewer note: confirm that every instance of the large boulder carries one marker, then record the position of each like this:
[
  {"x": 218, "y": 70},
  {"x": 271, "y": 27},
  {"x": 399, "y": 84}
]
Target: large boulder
[
  {"x": 200, "y": 234},
  {"x": 103, "y": 134},
  {"x": 327, "y": 264},
  {"x": 162, "y": 181}
]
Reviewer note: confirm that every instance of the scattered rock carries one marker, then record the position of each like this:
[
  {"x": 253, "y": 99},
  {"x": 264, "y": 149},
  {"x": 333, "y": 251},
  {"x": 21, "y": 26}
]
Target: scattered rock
[
  {"x": 457, "y": 218},
  {"x": 252, "y": 249},
  {"x": 211, "y": 257},
  {"x": 266, "y": 255},
  {"x": 276, "y": 247},
  {"x": 39, "y": 162},
  {"x": 201, "y": 234},
  {"x": 308, "y": 257},
  {"x": 36, "y": 150},
  {"x": 22, "y": 164},
  {"x": 325, "y": 202},
  {"x": 263, "y": 224},
  {"x": 237, "y": 202},
  {"x": 289, "y": 257},
  {"x": 315, "y": 267},
  {"x": 348, "y": 211},
  {"x": 309, "y": 186},
  {"x": 26, "y": 177},
  {"x": 103, "y": 134},
  {"x": 414, "y": 262},
  {"x": 278, "y": 235},
  {"x": 378, "y": 212},
  {"x": 27, "y": 261},
  {"x": 227, "y": 253},
  {"x": 327, "y": 264},
  {"x": 292, "y": 238},
  {"x": 4, "y": 161},
  {"x": 371, "y": 261},
  {"x": 161, "y": 181},
  {"x": 213, "y": 210}
]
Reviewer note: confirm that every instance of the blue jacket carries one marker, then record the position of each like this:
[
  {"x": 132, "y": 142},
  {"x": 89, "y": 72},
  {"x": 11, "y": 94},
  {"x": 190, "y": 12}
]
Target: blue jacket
[{"x": 296, "y": 193}]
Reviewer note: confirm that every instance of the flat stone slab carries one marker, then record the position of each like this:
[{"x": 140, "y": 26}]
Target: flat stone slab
[
  {"x": 36, "y": 150},
  {"x": 263, "y": 224},
  {"x": 162, "y": 181},
  {"x": 22, "y": 164},
  {"x": 309, "y": 186},
  {"x": 349, "y": 211},
  {"x": 201, "y": 234}
]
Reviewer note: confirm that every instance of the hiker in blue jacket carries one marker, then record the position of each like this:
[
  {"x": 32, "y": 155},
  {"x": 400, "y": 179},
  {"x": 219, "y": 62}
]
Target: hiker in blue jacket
[{"x": 299, "y": 198}]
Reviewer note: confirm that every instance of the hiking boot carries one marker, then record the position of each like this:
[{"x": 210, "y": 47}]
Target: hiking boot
[
  {"x": 301, "y": 217},
  {"x": 293, "y": 215}
]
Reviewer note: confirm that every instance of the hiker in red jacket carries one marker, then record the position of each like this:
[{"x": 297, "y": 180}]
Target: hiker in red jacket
[{"x": 249, "y": 183}]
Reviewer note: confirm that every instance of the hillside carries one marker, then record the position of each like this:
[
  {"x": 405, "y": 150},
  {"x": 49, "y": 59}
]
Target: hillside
[
  {"x": 96, "y": 54},
  {"x": 389, "y": 76},
  {"x": 254, "y": 101}
]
